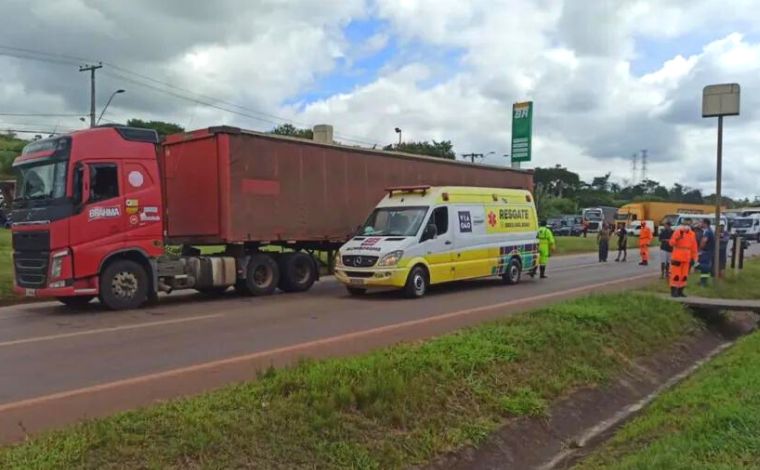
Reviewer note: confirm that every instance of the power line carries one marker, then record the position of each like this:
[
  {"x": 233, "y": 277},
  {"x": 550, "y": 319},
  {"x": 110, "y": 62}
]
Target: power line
[
  {"x": 205, "y": 100},
  {"x": 42, "y": 114}
]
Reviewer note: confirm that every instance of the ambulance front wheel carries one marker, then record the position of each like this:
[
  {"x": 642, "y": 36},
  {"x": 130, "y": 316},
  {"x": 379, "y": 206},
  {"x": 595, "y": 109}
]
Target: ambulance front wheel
[
  {"x": 513, "y": 273},
  {"x": 417, "y": 283}
]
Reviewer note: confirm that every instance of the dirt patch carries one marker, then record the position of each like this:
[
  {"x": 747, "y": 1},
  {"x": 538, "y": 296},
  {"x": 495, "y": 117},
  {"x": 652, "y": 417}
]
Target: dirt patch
[{"x": 587, "y": 417}]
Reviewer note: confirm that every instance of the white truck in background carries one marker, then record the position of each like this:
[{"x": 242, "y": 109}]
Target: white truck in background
[{"x": 747, "y": 227}]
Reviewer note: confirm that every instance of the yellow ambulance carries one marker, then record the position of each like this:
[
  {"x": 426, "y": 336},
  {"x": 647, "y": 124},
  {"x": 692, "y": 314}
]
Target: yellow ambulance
[{"x": 422, "y": 235}]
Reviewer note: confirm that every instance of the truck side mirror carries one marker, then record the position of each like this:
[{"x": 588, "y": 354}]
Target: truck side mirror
[{"x": 430, "y": 232}]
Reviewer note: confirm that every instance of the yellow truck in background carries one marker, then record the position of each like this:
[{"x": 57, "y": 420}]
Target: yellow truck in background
[{"x": 658, "y": 212}]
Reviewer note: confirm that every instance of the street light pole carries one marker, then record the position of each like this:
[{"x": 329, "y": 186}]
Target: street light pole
[
  {"x": 398, "y": 131},
  {"x": 108, "y": 103}
]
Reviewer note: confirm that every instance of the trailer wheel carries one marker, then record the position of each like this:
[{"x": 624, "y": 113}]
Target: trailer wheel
[
  {"x": 76, "y": 301},
  {"x": 123, "y": 285},
  {"x": 298, "y": 271},
  {"x": 263, "y": 275},
  {"x": 513, "y": 272},
  {"x": 417, "y": 283}
]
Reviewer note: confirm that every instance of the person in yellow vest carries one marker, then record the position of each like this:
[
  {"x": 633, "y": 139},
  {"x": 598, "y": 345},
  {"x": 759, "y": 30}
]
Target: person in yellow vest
[{"x": 546, "y": 245}]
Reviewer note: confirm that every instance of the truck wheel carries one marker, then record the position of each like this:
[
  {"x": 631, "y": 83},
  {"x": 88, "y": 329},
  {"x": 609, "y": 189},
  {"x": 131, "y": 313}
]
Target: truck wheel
[
  {"x": 356, "y": 291},
  {"x": 417, "y": 283},
  {"x": 263, "y": 275},
  {"x": 76, "y": 301},
  {"x": 514, "y": 270},
  {"x": 297, "y": 272},
  {"x": 123, "y": 285}
]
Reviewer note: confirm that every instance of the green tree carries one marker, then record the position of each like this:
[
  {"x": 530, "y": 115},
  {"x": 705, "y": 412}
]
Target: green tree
[
  {"x": 558, "y": 181},
  {"x": 162, "y": 128},
  {"x": 293, "y": 131},
  {"x": 442, "y": 149}
]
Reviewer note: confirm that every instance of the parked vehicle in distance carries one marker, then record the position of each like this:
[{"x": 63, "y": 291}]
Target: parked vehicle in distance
[
  {"x": 658, "y": 212},
  {"x": 420, "y": 236},
  {"x": 747, "y": 227},
  {"x": 635, "y": 228},
  {"x": 570, "y": 225},
  {"x": 595, "y": 217},
  {"x": 96, "y": 208},
  {"x": 693, "y": 220}
]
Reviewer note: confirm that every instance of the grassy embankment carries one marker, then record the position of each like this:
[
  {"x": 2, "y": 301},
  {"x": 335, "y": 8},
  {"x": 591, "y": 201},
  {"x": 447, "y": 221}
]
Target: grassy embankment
[
  {"x": 388, "y": 409},
  {"x": 712, "y": 420},
  {"x": 744, "y": 284},
  {"x": 6, "y": 267}
]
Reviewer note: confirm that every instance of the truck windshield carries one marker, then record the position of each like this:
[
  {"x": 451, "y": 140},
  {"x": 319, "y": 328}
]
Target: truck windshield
[
  {"x": 394, "y": 221},
  {"x": 593, "y": 215},
  {"x": 46, "y": 180},
  {"x": 743, "y": 223}
]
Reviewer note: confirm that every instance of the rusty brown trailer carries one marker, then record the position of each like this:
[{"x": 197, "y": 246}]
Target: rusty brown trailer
[{"x": 225, "y": 185}]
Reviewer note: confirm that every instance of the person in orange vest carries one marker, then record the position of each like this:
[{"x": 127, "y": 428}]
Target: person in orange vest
[
  {"x": 645, "y": 238},
  {"x": 685, "y": 253}
]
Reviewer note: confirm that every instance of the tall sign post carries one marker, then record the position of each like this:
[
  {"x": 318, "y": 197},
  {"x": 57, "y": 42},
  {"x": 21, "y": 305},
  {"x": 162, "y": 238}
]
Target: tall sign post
[
  {"x": 522, "y": 129},
  {"x": 718, "y": 101}
]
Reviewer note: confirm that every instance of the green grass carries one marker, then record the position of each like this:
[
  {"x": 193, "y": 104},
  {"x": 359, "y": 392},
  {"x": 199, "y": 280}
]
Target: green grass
[
  {"x": 577, "y": 245},
  {"x": 396, "y": 407},
  {"x": 6, "y": 268},
  {"x": 711, "y": 421},
  {"x": 744, "y": 284}
]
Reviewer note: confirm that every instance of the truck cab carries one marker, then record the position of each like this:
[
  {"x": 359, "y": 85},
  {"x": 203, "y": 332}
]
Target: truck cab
[{"x": 85, "y": 202}]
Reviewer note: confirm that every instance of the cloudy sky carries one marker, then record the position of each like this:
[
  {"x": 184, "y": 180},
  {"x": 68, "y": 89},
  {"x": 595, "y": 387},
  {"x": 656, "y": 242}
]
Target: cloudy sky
[{"x": 608, "y": 78}]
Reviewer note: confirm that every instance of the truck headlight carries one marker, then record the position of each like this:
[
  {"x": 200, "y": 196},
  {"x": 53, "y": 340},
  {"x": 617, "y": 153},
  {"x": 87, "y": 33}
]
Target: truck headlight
[
  {"x": 338, "y": 259},
  {"x": 56, "y": 268},
  {"x": 391, "y": 259}
]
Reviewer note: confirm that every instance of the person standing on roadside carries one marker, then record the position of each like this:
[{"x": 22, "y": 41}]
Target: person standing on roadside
[
  {"x": 585, "y": 228},
  {"x": 666, "y": 251},
  {"x": 622, "y": 242},
  {"x": 603, "y": 241},
  {"x": 684, "y": 244},
  {"x": 706, "y": 253},
  {"x": 546, "y": 245},
  {"x": 725, "y": 237},
  {"x": 645, "y": 238}
]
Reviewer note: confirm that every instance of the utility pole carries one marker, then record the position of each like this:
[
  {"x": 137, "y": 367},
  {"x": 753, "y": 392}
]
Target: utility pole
[
  {"x": 91, "y": 69},
  {"x": 472, "y": 156},
  {"x": 644, "y": 165},
  {"x": 634, "y": 168}
]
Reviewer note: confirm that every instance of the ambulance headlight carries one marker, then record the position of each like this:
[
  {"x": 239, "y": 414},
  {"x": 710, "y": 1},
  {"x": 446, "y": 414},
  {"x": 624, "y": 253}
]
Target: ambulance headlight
[{"x": 391, "y": 259}]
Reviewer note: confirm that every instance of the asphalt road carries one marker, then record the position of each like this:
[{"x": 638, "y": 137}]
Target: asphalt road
[{"x": 58, "y": 365}]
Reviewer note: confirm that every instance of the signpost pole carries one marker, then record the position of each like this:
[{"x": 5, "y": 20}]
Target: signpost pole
[
  {"x": 718, "y": 101},
  {"x": 718, "y": 187}
]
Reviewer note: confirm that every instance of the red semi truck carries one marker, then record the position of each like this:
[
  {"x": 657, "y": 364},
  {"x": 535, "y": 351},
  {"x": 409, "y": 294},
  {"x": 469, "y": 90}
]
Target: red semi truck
[{"x": 96, "y": 209}]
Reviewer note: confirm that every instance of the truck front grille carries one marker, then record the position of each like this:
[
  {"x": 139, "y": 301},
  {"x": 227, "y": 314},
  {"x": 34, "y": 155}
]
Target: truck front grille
[{"x": 31, "y": 255}]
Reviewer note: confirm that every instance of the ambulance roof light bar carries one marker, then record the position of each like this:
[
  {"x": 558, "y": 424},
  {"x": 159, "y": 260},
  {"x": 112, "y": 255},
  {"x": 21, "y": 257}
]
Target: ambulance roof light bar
[{"x": 407, "y": 189}]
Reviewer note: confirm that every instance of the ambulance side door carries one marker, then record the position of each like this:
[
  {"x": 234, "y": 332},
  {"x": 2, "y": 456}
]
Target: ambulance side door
[{"x": 438, "y": 251}]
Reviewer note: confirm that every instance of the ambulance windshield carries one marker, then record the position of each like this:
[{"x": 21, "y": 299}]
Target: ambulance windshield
[{"x": 394, "y": 221}]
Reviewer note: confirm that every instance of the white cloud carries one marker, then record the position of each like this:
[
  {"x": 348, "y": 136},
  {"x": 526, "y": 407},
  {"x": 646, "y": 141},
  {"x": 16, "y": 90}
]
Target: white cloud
[{"x": 592, "y": 112}]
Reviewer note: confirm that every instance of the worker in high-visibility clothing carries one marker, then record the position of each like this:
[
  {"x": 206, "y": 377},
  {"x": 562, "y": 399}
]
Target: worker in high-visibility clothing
[
  {"x": 685, "y": 253},
  {"x": 546, "y": 245},
  {"x": 645, "y": 238}
]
